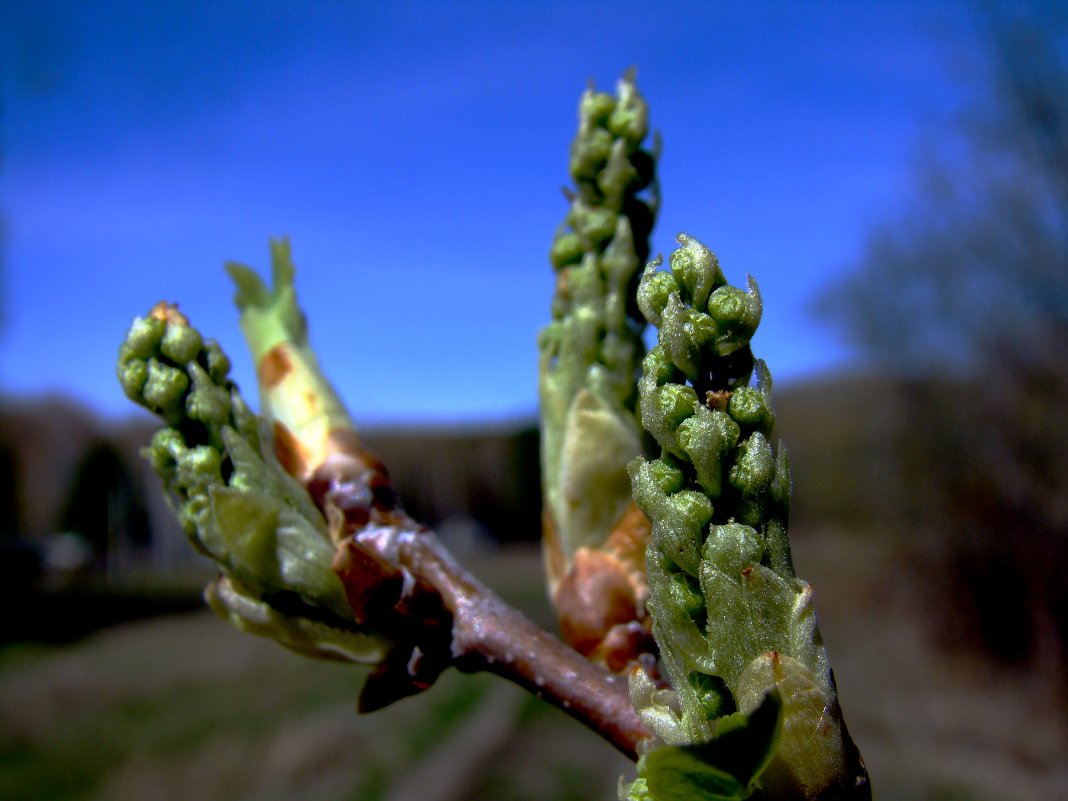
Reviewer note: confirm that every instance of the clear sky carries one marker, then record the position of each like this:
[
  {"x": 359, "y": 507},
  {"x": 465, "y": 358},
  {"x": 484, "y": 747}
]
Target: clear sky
[{"x": 414, "y": 153}]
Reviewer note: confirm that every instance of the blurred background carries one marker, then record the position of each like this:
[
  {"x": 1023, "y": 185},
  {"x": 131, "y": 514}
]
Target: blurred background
[{"x": 894, "y": 174}]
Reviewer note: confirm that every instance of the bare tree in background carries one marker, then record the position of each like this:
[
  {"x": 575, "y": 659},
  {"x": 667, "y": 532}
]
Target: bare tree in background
[{"x": 965, "y": 299}]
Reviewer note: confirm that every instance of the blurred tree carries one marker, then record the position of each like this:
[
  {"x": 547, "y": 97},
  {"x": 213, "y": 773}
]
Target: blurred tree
[{"x": 964, "y": 299}]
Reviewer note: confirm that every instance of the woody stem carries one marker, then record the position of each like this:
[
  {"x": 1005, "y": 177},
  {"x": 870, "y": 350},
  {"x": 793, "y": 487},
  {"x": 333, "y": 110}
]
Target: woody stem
[{"x": 489, "y": 635}]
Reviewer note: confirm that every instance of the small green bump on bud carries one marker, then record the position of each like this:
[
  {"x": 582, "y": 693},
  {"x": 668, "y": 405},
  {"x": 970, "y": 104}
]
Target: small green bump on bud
[
  {"x": 164, "y": 388},
  {"x": 707, "y": 438},
  {"x": 686, "y": 333},
  {"x": 132, "y": 377},
  {"x": 619, "y": 261},
  {"x": 593, "y": 224},
  {"x": 680, "y": 532},
  {"x": 778, "y": 556},
  {"x": 180, "y": 343},
  {"x": 732, "y": 548},
  {"x": 752, "y": 475},
  {"x": 737, "y": 313},
  {"x": 667, "y": 474},
  {"x": 203, "y": 463},
  {"x": 566, "y": 250},
  {"x": 755, "y": 467},
  {"x": 549, "y": 338},
  {"x": 208, "y": 403},
  {"x": 585, "y": 284},
  {"x": 748, "y": 408},
  {"x": 582, "y": 331},
  {"x": 595, "y": 107},
  {"x": 218, "y": 363},
  {"x": 727, "y": 306},
  {"x": 712, "y": 692},
  {"x": 696, "y": 270},
  {"x": 656, "y": 287},
  {"x": 144, "y": 336},
  {"x": 589, "y": 154},
  {"x": 657, "y": 365},
  {"x": 670, "y": 405},
  {"x": 617, "y": 176},
  {"x": 163, "y": 451},
  {"x": 630, "y": 118},
  {"x": 678, "y": 520}
]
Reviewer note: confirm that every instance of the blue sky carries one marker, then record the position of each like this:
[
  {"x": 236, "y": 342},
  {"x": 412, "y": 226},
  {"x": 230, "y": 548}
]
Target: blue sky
[{"x": 414, "y": 153}]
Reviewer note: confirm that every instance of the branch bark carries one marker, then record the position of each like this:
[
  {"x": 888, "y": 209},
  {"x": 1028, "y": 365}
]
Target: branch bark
[{"x": 485, "y": 633}]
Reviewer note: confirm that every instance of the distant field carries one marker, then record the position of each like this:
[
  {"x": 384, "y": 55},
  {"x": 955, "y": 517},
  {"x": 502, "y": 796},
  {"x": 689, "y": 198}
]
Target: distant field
[{"x": 185, "y": 708}]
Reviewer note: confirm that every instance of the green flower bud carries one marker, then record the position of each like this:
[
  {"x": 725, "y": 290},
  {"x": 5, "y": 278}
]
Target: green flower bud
[
  {"x": 208, "y": 402},
  {"x": 595, "y": 107},
  {"x": 218, "y": 363},
  {"x": 712, "y": 693},
  {"x": 589, "y": 154},
  {"x": 737, "y": 314},
  {"x": 686, "y": 333},
  {"x": 748, "y": 408},
  {"x": 144, "y": 336},
  {"x": 696, "y": 271},
  {"x": 630, "y": 117},
  {"x": 727, "y": 546},
  {"x": 619, "y": 262},
  {"x": 662, "y": 410},
  {"x": 180, "y": 343},
  {"x": 164, "y": 388},
  {"x": 590, "y": 354},
  {"x": 593, "y": 224},
  {"x": 733, "y": 548},
  {"x": 586, "y": 285},
  {"x": 658, "y": 367},
  {"x": 752, "y": 475},
  {"x": 667, "y": 473},
  {"x": 132, "y": 377},
  {"x": 707, "y": 439},
  {"x": 617, "y": 176},
  {"x": 566, "y": 250},
  {"x": 654, "y": 291}
]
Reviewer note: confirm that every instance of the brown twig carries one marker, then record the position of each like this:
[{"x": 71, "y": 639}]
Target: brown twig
[
  {"x": 402, "y": 581},
  {"x": 486, "y": 633}
]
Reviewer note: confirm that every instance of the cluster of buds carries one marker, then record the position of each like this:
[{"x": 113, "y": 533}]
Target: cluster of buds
[
  {"x": 234, "y": 499},
  {"x": 590, "y": 355},
  {"x": 734, "y": 625}
]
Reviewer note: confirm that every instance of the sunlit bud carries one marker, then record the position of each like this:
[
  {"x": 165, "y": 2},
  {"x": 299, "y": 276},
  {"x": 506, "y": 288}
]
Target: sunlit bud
[
  {"x": 617, "y": 176},
  {"x": 589, "y": 153},
  {"x": 593, "y": 224},
  {"x": 707, "y": 438},
  {"x": 164, "y": 388},
  {"x": 180, "y": 342},
  {"x": 594, "y": 107},
  {"x": 737, "y": 314},
  {"x": 144, "y": 336},
  {"x": 696, "y": 271},
  {"x": 630, "y": 117},
  {"x": 566, "y": 250},
  {"x": 655, "y": 289}
]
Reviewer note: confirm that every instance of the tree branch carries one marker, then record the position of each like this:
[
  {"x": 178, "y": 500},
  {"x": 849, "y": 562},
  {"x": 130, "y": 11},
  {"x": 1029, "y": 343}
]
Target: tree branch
[{"x": 486, "y": 633}]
